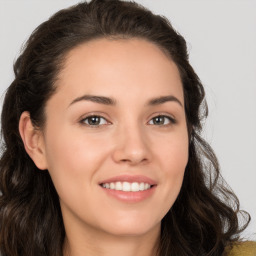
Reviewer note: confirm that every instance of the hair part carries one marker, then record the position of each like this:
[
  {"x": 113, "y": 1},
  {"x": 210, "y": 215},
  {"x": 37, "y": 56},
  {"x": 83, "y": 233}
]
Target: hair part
[{"x": 201, "y": 221}]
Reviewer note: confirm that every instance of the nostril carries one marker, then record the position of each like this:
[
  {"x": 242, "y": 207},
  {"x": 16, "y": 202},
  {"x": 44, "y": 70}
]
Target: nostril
[
  {"x": 134, "y": 160},
  {"x": 131, "y": 151}
]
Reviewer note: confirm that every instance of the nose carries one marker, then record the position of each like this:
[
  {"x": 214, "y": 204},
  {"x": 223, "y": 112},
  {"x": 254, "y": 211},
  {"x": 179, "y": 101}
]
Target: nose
[{"x": 132, "y": 146}]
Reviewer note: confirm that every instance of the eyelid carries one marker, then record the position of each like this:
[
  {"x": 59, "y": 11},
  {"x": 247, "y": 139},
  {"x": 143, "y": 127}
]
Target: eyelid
[
  {"x": 103, "y": 116},
  {"x": 99, "y": 115},
  {"x": 170, "y": 117}
]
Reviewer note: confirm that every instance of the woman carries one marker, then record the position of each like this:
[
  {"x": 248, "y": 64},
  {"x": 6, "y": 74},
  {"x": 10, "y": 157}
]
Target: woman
[{"x": 103, "y": 154}]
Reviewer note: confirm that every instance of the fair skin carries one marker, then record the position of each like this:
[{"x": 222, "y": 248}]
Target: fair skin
[{"x": 137, "y": 133}]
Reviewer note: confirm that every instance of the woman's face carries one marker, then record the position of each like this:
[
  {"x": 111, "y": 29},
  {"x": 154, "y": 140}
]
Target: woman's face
[{"x": 115, "y": 140}]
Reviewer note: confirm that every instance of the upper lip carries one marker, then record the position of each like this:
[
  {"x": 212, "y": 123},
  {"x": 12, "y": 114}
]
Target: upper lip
[{"x": 130, "y": 178}]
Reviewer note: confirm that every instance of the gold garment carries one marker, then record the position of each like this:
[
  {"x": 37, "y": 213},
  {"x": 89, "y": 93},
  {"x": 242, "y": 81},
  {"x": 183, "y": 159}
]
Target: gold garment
[{"x": 247, "y": 248}]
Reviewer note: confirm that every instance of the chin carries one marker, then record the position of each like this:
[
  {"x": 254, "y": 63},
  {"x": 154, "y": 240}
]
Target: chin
[{"x": 132, "y": 228}]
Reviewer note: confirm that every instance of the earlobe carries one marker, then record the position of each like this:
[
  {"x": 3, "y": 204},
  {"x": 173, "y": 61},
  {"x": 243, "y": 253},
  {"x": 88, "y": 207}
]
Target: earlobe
[{"x": 33, "y": 141}]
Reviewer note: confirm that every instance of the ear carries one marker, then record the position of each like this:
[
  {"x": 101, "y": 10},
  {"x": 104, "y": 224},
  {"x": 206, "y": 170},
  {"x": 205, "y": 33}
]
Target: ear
[{"x": 33, "y": 141}]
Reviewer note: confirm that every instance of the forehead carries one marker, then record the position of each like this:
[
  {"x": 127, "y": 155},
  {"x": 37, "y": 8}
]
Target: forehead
[{"x": 105, "y": 64}]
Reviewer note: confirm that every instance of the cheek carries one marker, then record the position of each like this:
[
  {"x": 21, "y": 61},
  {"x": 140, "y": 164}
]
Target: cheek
[
  {"x": 173, "y": 158},
  {"x": 73, "y": 159},
  {"x": 174, "y": 154}
]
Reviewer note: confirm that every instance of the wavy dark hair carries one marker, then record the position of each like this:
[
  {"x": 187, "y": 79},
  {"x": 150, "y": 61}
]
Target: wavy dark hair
[{"x": 205, "y": 217}]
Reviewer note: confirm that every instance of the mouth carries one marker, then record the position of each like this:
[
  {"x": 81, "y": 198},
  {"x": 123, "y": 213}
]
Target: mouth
[{"x": 127, "y": 186}]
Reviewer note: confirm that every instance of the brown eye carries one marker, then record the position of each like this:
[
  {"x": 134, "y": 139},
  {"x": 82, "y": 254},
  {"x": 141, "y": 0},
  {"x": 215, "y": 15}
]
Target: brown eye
[
  {"x": 94, "y": 120},
  {"x": 161, "y": 120}
]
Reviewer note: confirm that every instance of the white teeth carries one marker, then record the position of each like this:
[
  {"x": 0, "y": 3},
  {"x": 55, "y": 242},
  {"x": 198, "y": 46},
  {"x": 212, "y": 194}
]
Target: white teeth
[
  {"x": 119, "y": 186},
  {"x": 135, "y": 186},
  {"x": 127, "y": 186},
  {"x": 142, "y": 186},
  {"x": 112, "y": 185}
]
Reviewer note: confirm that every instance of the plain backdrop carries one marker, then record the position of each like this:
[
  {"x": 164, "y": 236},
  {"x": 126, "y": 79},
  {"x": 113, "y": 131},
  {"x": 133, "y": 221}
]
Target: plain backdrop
[{"x": 221, "y": 37}]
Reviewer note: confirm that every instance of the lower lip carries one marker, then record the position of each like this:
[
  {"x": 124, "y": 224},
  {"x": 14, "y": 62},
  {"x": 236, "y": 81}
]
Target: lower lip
[{"x": 130, "y": 197}]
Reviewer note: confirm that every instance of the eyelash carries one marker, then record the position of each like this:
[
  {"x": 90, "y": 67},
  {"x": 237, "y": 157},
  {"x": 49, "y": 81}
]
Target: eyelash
[
  {"x": 170, "y": 119},
  {"x": 86, "y": 121}
]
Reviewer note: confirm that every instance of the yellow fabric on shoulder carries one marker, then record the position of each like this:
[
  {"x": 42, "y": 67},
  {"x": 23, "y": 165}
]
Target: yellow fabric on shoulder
[{"x": 247, "y": 248}]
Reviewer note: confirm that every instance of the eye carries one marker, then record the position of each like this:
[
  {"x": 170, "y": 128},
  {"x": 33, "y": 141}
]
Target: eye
[
  {"x": 162, "y": 120},
  {"x": 94, "y": 121}
]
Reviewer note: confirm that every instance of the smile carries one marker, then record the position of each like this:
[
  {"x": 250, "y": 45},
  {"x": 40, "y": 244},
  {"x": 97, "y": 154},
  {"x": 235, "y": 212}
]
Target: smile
[{"x": 127, "y": 186}]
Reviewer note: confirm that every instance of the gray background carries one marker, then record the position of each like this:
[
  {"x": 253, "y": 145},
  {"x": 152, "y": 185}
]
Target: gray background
[{"x": 221, "y": 38}]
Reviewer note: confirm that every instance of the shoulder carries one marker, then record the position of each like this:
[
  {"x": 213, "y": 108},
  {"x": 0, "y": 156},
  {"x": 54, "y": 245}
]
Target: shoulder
[{"x": 247, "y": 248}]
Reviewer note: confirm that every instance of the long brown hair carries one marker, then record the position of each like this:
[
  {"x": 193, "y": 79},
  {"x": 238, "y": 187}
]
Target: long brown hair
[{"x": 204, "y": 218}]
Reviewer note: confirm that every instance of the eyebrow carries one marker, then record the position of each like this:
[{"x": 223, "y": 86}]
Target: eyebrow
[
  {"x": 111, "y": 102},
  {"x": 163, "y": 99},
  {"x": 96, "y": 99}
]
